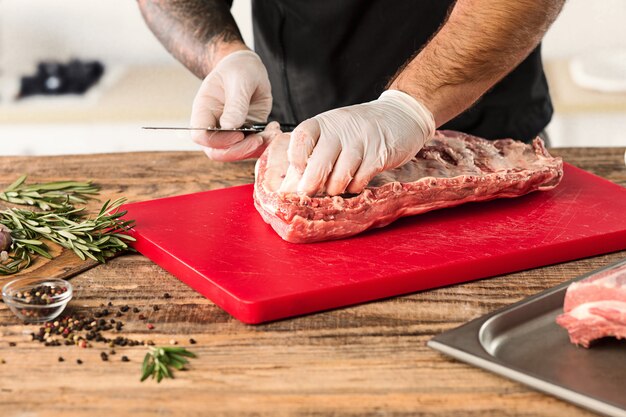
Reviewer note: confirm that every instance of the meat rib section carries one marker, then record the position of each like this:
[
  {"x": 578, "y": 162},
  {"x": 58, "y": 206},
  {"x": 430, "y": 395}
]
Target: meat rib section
[
  {"x": 596, "y": 307},
  {"x": 452, "y": 169}
]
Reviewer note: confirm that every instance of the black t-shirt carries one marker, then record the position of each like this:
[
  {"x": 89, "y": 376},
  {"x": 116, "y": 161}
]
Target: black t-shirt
[{"x": 323, "y": 54}]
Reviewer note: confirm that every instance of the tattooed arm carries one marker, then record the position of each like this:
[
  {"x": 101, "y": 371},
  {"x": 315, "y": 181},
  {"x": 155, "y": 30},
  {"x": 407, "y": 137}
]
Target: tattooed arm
[
  {"x": 197, "y": 32},
  {"x": 203, "y": 35}
]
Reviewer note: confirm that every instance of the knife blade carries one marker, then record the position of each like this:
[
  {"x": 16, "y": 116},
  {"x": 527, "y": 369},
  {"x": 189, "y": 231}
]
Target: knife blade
[{"x": 246, "y": 128}]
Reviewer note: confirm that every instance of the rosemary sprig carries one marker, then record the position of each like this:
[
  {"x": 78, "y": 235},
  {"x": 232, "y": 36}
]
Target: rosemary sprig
[
  {"x": 97, "y": 238},
  {"x": 159, "y": 361},
  {"x": 50, "y": 195}
]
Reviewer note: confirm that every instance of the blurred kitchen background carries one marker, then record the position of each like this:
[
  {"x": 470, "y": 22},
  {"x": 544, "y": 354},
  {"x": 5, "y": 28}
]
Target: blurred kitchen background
[{"x": 584, "y": 54}]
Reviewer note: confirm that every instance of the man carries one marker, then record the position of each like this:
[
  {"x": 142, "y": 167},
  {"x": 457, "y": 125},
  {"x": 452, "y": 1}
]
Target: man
[{"x": 367, "y": 81}]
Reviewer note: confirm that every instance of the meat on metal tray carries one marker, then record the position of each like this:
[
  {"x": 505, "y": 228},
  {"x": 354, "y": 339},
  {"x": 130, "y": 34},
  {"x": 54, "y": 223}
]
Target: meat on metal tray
[{"x": 523, "y": 342}]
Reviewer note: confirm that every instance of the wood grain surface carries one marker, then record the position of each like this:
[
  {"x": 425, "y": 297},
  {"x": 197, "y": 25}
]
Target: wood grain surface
[{"x": 366, "y": 360}]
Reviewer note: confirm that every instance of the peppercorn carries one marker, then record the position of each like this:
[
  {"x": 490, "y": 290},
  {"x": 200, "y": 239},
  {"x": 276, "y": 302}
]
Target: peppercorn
[
  {"x": 104, "y": 356},
  {"x": 78, "y": 361},
  {"x": 155, "y": 307},
  {"x": 61, "y": 359},
  {"x": 135, "y": 310},
  {"x": 167, "y": 295},
  {"x": 125, "y": 359},
  {"x": 192, "y": 341},
  {"x": 12, "y": 344}
]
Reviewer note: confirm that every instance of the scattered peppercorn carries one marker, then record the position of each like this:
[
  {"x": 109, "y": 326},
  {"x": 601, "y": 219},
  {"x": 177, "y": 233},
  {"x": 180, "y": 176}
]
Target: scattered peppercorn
[
  {"x": 61, "y": 359},
  {"x": 118, "y": 314},
  {"x": 135, "y": 310},
  {"x": 155, "y": 307},
  {"x": 104, "y": 356},
  {"x": 110, "y": 304},
  {"x": 125, "y": 359},
  {"x": 12, "y": 344},
  {"x": 167, "y": 295},
  {"x": 192, "y": 341},
  {"x": 78, "y": 361},
  {"x": 124, "y": 308}
]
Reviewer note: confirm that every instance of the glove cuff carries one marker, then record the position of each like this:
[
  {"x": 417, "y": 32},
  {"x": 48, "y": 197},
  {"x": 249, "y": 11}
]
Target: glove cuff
[
  {"x": 238, "y": 54},
  {"x": 414, "y": 109}
]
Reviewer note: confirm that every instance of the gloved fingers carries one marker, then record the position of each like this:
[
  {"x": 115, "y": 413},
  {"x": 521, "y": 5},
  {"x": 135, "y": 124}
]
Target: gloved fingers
[
  {"x": 251, "y": 146},
  {"x": 319, "y": 166},
  {"x": 362, "y": 177},
  {"x": 291, "y": 180},
  {"x": 260, "y": 104},
  {"x": 217, "y": 140},
  {"x": 303, "y": 139},
  {"x": 204, "y": 111},
  {"x": 271, "y": 131},
  {"x": 347, "y": 165},
  {"x": 237, "y": 95}
]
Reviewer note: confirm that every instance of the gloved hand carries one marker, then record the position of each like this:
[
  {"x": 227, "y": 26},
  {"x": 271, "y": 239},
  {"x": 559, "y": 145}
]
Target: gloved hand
[
  {"x": 236, "y": 91},
  {"x": 341, "y": 150}
]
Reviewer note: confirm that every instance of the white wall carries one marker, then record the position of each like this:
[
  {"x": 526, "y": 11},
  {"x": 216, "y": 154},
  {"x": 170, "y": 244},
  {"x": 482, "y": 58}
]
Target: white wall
[
  {"x": 111, "y": 30},
  {"x": 587, "y": 25}
]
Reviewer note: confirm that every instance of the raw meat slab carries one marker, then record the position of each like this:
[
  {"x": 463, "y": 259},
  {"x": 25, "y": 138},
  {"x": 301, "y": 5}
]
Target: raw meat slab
[
  {"x": 217, "y": 243},
  {"x": 452, "y": 169},
  {"x": 596, "y": 307}
]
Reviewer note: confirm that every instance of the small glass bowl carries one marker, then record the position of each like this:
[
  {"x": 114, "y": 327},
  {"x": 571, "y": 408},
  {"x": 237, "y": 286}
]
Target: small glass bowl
[{"x": 37, "y": 308}]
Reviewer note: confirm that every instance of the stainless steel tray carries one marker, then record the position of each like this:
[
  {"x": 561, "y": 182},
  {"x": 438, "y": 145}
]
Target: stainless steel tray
[{"x": 523, "y": 342}]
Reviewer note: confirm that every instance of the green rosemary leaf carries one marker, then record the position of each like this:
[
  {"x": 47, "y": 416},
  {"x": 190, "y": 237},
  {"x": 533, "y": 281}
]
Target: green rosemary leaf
[
  {"x": 17, "y": 183},
  {"x": 147, "y": 368},
  {"x": 29, "y": 241},
  {"x": 67, "y": 234},
  {"x": 164, "y": 370},
  {"x": 40, "y": 251},
  {"x": 177, "y": 365},
  {"x": 177, "y": 358}
]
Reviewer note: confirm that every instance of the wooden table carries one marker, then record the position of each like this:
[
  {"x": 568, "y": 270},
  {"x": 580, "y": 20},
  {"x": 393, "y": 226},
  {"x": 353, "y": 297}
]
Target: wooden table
[{"x": 366, "y": 360}]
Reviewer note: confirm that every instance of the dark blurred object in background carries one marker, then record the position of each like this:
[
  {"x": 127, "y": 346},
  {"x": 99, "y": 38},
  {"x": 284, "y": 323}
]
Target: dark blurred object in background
[{"x": 54, "y": 78}]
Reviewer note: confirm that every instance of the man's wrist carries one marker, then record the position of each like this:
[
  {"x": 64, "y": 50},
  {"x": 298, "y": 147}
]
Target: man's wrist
[
  {"x": 415, "y": 109},
  {"x": 218, "y": 50}
]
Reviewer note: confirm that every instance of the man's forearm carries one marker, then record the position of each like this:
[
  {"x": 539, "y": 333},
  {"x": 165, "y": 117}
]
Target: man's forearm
[
  {"x": 481, "y": 42},
  {"x": 197, "y": 32}
]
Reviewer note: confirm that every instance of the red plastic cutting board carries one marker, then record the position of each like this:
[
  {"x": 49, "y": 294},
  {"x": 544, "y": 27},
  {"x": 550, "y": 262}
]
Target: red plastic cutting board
[{"x": 217, "y": 243}]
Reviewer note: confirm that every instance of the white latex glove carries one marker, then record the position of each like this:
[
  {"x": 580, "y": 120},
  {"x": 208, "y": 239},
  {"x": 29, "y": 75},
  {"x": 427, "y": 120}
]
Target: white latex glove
[
  {"x": 341, "y": 150},
  {"x": 236, "y": 91}
]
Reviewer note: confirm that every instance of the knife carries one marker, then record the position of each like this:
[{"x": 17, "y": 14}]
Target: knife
[{"x": 246, "y": 128}]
